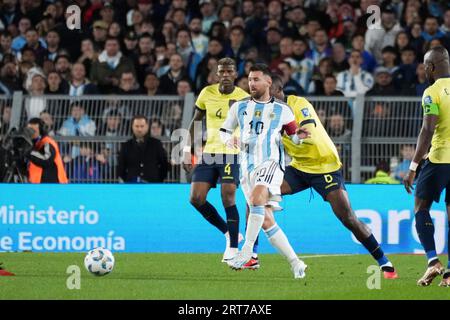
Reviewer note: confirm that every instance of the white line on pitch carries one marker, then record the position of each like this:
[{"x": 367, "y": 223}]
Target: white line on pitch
[{"x": 326, "y": 255}]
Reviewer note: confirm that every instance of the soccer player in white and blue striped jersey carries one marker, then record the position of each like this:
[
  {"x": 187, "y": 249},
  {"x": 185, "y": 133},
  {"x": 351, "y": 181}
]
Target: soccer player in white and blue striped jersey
[{"x": 261, "y": 120}]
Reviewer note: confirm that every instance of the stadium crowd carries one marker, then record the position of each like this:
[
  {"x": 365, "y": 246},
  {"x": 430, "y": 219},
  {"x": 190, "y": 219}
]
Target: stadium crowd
[{"x": 164, "y": 47}]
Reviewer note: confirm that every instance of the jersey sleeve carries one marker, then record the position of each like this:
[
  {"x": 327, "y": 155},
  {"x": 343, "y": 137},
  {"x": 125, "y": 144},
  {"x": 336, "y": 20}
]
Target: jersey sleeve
[
  {"x": 201, "y": 100},
  {"x": 230, "y": 123},
  {"x": 430, "y": 102},
  {"x": 288, "y": 121}
]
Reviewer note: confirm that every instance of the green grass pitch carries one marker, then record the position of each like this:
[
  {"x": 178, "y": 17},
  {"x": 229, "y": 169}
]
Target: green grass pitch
[{"x": 203, "y": 276}]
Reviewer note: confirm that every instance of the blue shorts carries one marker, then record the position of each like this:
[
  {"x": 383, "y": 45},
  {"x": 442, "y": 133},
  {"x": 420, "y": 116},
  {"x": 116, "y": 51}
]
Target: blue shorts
[
  {"x": 432, "y": 180},
  {"x": 224, "y": 170},
  {"x": 322, "y": 183}
]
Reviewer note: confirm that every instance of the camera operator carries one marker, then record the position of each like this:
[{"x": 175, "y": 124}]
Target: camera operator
[{"x": 46, "y": 165}]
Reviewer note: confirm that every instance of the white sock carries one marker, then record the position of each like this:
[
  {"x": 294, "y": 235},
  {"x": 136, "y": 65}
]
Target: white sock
[
  {"x": 254, "y": 224},
  {"x": 279, "y": 241},
  {"x": 227, "y": 239}
]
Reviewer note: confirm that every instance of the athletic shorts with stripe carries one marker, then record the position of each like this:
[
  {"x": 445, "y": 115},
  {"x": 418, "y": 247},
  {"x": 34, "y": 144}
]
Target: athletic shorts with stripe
[{"x": 269, "y": 174}]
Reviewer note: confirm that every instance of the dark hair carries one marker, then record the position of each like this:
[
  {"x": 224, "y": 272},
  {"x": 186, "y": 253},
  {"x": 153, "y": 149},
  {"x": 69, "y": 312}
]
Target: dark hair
[
  {"x": 383, "y": 165},
  {"x": 226, "y": 62},
  {"x": 42, "y": 126},
  {"x": 139, "y": 117},
  {"x": 237, "y": 28},
  {"x": 276, "y": 78},
  {"x": 261, "y": 67}
]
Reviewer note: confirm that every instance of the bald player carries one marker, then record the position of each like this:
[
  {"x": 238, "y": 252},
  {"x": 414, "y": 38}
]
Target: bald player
[
  {"x": 316, "y": 164},
  {"x": 435, "y": 172}
]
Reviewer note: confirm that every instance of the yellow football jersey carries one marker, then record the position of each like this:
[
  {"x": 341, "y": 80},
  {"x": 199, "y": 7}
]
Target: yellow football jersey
[
  {"x": 317, "y": 154},
  {"x": 436, "y": 101},
  {"x": 216, "y": 106}
]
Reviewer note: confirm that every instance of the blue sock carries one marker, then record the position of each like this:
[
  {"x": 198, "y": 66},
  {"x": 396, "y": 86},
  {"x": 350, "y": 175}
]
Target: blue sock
[
  {"x": 233, "y": 225},
  {"x": 425, "y": 230},
  {"x": 212, "y": 216},
  {"x": 372, "y": 245}
]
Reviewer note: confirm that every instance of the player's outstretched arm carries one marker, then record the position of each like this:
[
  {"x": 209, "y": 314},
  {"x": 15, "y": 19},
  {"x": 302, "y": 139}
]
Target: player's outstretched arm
[
  {"x": 228, "y": 127},
  {"x": 423, "y": 144},
  {"x": 198, "y": 116}
]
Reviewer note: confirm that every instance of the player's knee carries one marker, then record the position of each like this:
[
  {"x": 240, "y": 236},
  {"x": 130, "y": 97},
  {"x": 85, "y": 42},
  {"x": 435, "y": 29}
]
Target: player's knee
[
  {"x": 257, "y": 199},
  {"x": 197, "y": 200}
]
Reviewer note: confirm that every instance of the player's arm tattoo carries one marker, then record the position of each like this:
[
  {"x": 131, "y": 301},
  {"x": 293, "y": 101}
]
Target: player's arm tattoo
[{"x": 425, "y": 136}]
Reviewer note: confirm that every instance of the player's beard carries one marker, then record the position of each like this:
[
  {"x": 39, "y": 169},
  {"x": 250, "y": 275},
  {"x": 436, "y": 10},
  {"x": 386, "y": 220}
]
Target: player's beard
[{"x": 257, "y": 95}]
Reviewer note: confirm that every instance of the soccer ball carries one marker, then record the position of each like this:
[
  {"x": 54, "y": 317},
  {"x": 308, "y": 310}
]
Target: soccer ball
[{"x": 99, "y": 261}]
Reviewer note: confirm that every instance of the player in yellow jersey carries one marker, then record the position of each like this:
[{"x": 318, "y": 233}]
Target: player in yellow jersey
[
  {"x": 219, "y": 163},
  {"x": 315, "y": 163},
  {"x": 434, "y": 176}
]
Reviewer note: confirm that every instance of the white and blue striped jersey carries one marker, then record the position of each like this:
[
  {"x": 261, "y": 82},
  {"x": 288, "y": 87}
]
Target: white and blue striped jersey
[{"x": 261, "y": 125}]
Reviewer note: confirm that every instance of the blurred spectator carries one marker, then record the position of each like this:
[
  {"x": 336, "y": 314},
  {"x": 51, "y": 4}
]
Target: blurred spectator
[
  {"x": 78, "y": 124},
  {"x": 199, "y": 40},
  {"x": 56, "y": 84},
  {"x": 445, "y": 27},
  {"x": 320, "y": 47},
  {"x": 336, "y": 127},
  {"x": 85, "y": 167},
  {"x": 114, "y": 126},
  {"x": 184, "y": 86},
  {"x": 106, "y": 70},
  {"x": 5, "y": 44},
  {"x": 389, "y": 58},
  {"x": 401, "y": 41},
  {"x": 369, "y": 62},
  {"x": 355, "y": 80},
  {"x": 416, "y": 39},
  {"x": 236, "y": 48},
  {"x": 5, "y": 119},
  {"x": 382, "y": 34},
  {"x": 48, "y": 121},
  {"x": 185, "y": 48},
  {"x": 9, "y": 78},
  {"x": 79, "y": 85},
  {"x": 128, "y": 84},
  {"x": 142, "y": 159},
  {"x": 143, "y": 57},
  {"x": 33, "y": 43},
  {"x": 242, "y": 82},
  {"x": 382, "y": 175},
  {"x": 303, "y": 67},
  {"x": 329, "y": 87},
  {"x": 63, "y": 66},
  {"x": 99, "y": 34},
  {"x": 270, "y": 49},
  {"x": 131, "y": 42},
  {"x": 419, "y": 85},
  {"x": 431, "y": 29},
  {"x": 325, "y": 68},
  {"x": 322, "y": 114},
  {"x": 53, "y": 40},
  {"x": 407, "y": 154},
  {"x": 209, "y": 16},
  {"x": 215, "y": 51},
  {"x": 286, "y": 51},
  {"x": 291, "y": 87},
  {"x": 406, "y": 72},
  {"x": 156, "y": 128},
  {"x": 151, "y": 84},
  {"x": 383, "y": 83},
  {"x": 35, "y": 84},
  {"x": 339, "y": 58},
  {"x": 176, "y": 72},
  {"x": 88, "y": 54}
]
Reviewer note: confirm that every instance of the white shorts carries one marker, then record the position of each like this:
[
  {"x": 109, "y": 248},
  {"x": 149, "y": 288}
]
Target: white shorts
[{"x": 267, "y": 174}]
